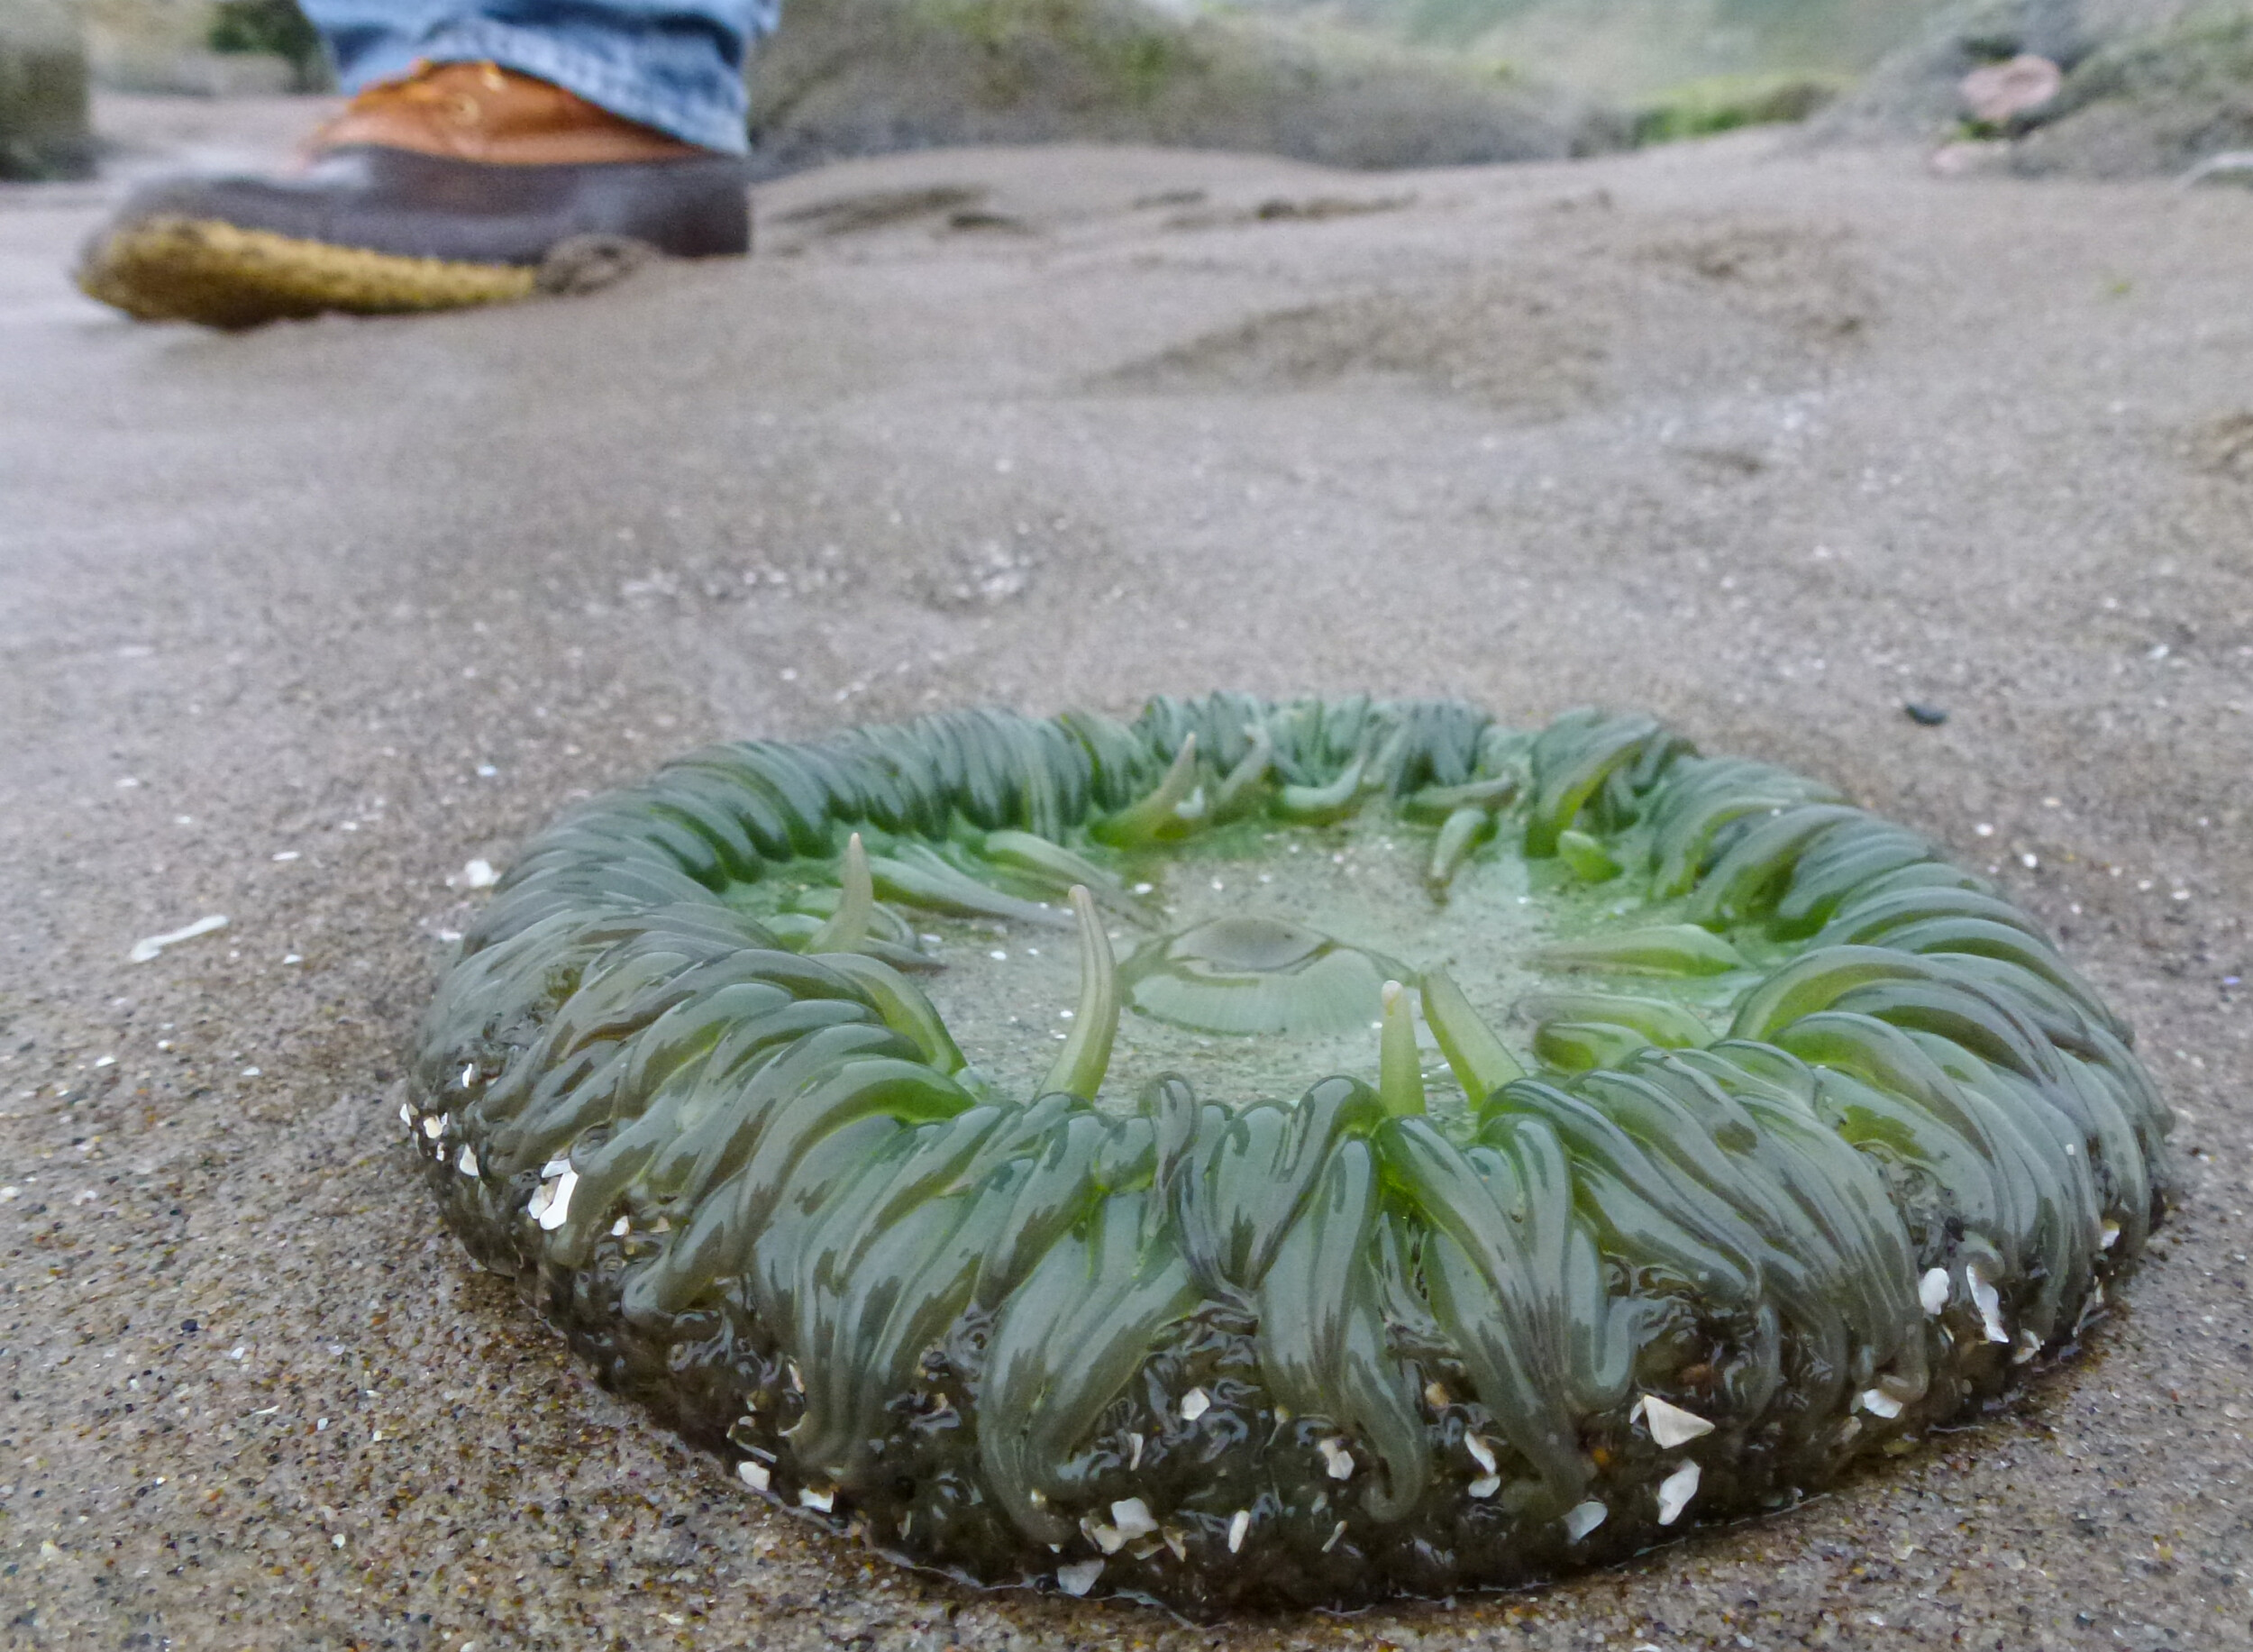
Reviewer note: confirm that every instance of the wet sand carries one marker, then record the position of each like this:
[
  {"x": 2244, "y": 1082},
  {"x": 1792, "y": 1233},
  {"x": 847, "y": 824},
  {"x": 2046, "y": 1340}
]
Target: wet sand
[{"x": 294, "y": 625}]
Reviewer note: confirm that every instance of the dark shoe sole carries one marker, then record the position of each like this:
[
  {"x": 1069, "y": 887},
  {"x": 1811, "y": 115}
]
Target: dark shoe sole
[
  {"x": 373, "y": 230},
  {"x": 223, "y": 276}
]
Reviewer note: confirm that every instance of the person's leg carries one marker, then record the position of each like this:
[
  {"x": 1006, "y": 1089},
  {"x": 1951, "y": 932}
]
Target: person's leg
[
  {"x": 673, "y": 64},
  {"x": 373, "y": 40},
  {"x": 491, "y": 148}
]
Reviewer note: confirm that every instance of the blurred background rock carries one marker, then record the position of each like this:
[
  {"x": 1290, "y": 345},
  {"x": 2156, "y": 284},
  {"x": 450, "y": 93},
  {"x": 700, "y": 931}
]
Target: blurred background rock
[
  {"x": 2148, "y": 86},
  {"x": 44, "y": 129},
  {"x": 862, "y": 77}
]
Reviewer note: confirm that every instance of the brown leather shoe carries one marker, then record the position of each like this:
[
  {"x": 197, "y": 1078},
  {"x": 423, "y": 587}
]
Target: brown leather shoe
[{"x": 458, "y": 184}]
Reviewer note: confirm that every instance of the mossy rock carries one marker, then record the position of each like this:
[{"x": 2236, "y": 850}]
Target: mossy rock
[
  {"x": 2152, "y": 86},
  {"x": 848, "y": 77},
  {"x": 44, "y": 131},
  {"x": 2155, "y": 101}
]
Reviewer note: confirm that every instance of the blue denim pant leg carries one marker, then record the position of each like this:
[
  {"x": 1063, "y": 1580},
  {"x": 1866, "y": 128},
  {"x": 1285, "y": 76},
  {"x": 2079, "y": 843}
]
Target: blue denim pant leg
[{"x": 677, "y": 64}]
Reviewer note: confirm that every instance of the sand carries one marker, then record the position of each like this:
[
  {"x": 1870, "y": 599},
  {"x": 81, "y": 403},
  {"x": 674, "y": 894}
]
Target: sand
[{"x": 294, "y": 625}]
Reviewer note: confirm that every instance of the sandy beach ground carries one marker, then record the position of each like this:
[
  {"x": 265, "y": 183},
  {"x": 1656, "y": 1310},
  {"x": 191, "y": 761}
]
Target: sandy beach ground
[{"x": 295, "y": 624}]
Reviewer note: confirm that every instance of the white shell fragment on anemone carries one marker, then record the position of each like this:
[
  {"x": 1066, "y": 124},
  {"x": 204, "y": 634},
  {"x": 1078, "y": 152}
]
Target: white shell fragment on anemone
[
  {"x": 1480, "y": 1452},
  {"x": 1485, "y": 1485},
  {"x": 1079, "y": 1576},
  {"x": 1132, "y": 1516},
  {"x": 468, "y": 1163},
  {"x": 1674, "y": 1493},
  {"x": 754, "y": 1474},
  {"x": 823, "y": 1501},
  {"x": 1933, "y": 1290},
  {"x": 1877, "y": 1402},
  {"x": 1195, "y": 1404},
  {"x": 1989, "y": 1302},
  {"x": 1581, "y": 1519},
  {"x": 1238, "y": 1530},
  {"x": 1336, "y": 1459},
  {"x": 435, "y": 1125},
  {"x": 559, "y": 1206},
  {"x": 1670, "y": 1425}
]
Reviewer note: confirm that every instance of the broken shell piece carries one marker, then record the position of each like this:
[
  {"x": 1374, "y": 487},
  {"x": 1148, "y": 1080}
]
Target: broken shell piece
[
  {"x": 1436, "y": 1397},
  {"x": 559, "y": 1205},
  {"x": 1132, "y": 1516},
  {"x": 2029, "y": 1346},
  {"x": 621, "y": 1227},
  {"x": 1670, "y": 1425},
  {"x": 1337, "y": 1532},
  {"x": 756, "y": 1475},
  {"x": 1195, "y": 1404},
  {"x": 1480, "y": 1452},
  {"x": 435, "y": 1124},
  {"x": 809, "y": 1498},
  {"x": 147, "y": 948},
  {"x": 1336, "y": 1459},
  {"x": 1079, "y": 1576},
  {"x": 1237, "y": 1528},
  {"x": 2108, "y": 1235},
  {"x": 1990, "y": 1304},
  {"x": 1581, "y": 1519},
  {"x": 1109, "y": 1538},
  {"x": 1674, "y": 1493},
  {"x": 1932, "y": 1290},
  {"x": 1485, "y": 1485},
  {"x": 1877, "y": 1402},
  {"x": 468, "y": 1163}
]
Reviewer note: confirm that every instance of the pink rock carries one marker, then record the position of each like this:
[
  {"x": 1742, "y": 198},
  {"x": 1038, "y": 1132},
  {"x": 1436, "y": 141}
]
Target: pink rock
[{"x": 2000, "y": 91}]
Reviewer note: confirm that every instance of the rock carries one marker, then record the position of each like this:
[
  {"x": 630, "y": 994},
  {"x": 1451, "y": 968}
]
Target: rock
[
  {"x": 2147, "y": 87},
  {"x": 848, "y": 77},
  {"x": 1997, "y": 93},
  {"x": 43, "y": 126}
]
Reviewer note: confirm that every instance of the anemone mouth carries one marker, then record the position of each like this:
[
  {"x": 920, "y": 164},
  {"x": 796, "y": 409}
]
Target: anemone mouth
[
  {"x": 1255, "y": 976},
  {"x": 802, "y": 1087}
]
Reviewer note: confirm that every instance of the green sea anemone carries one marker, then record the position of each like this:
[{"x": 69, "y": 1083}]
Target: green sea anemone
[{"x": 1667, "y": 1133}]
